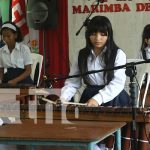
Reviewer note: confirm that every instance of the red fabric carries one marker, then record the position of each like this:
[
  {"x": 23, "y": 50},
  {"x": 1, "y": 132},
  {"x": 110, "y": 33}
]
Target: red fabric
[
  {"x": 56, "y": 46},
  {"x": 19, "y": 15}
]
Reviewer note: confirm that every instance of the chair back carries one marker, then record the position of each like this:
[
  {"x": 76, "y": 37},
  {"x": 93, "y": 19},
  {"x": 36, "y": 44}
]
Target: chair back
[
  {"x": 146, "y": 87},
  {"x": 36, "y": 67}
]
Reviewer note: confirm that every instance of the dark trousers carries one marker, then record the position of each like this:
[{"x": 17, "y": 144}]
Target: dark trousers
[
  {"x": 121, "y": 100},
  {"x": 12, "y": 73}
]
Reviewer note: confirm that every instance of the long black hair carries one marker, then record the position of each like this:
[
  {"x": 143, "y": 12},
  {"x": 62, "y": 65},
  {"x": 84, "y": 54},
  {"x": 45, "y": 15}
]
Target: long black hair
[
  {"x": 18, "y": 31},
  {"x": 100, "y": 24},
  {"x": 145, "y": 35}
]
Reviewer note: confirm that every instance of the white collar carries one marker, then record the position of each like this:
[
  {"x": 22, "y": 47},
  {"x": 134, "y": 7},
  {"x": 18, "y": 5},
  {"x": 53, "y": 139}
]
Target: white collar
[{"x": 147, "y": 49}]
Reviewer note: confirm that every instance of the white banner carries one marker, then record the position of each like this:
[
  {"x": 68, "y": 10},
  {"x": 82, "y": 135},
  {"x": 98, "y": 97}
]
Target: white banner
[{"x": 128, "y": 18}]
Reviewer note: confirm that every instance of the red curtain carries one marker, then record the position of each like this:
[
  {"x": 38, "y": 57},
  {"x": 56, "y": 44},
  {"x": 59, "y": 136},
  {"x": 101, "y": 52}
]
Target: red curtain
[{"x": 53, "y": 43}]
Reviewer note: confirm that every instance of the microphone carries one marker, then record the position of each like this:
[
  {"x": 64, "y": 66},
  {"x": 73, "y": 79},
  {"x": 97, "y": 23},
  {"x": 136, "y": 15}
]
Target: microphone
[
  {"x": 87, "y": 19},
  {"x": 131, "y": 71}
]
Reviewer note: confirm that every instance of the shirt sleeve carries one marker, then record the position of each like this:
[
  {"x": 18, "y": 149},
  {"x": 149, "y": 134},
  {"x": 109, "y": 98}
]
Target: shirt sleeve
[
  {"x": 71, "y": 84},
  {"x": 110, "y": 91}
]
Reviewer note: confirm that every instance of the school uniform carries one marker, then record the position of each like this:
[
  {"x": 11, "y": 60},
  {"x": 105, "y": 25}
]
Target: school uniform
[
  {"x": 146, "y": 53},
  {"x": 112, "y": 94},
  {"x": 15, "y": 62}
]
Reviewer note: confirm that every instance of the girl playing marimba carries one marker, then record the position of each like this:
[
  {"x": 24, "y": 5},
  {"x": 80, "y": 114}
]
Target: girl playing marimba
[{"x": 101, "y": 52}]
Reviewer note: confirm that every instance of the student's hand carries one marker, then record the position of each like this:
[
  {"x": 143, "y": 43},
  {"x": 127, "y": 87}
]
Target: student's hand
[
  {"x": 58, "y": 102},
  {"x": 92, "y": 103},
  {"x": 12, "y": 82},
  {"x": 62, "y": 100}
]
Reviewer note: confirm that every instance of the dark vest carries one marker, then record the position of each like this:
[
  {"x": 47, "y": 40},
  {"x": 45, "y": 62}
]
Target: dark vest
[
  {"x": 144, "y": 54},
  {"x": 82, "y": 64}
]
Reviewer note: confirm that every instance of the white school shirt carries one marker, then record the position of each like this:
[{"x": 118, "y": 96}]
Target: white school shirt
[
  {"x": 18, "y": 58},
  {"x": 147, "y": 50},
  {"x": 109, "y": 92}
]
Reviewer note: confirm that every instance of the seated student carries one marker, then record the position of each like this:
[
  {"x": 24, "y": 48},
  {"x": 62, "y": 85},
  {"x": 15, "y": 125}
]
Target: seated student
[
  {"x": 145, "y": 46},
  {"x": 14, "y": 56},
  {"x": 103, "y": 88}
]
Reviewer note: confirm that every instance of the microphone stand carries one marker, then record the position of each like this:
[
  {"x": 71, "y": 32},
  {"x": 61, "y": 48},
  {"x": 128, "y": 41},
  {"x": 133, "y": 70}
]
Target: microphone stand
[
  {"x": 87, "y": 20},
  {"x": 131, "y": 72},
  {"x": 102, "y": 70}
]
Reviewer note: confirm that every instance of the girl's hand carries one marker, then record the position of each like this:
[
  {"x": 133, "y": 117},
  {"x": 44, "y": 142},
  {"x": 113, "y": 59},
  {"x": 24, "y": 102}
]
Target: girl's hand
[
  {"x": 92, "y": 103},
  {"x": 12, "y": 82}
]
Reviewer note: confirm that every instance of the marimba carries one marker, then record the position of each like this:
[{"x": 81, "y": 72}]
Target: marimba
[
  {"x": 76, "y": 112},
  {"x": 51, "y": 112},
  {"x": 68, "y": 114}
]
